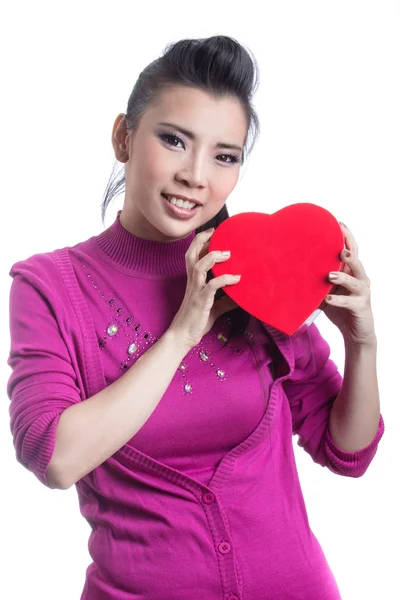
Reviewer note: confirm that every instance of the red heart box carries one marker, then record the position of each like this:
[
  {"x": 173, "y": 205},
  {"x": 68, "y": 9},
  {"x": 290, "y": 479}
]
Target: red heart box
[{"x": 284, "y": 260}]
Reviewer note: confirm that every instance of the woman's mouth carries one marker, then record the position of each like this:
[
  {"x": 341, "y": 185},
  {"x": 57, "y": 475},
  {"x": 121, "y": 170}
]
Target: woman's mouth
[{"x": 185, "y": 211}]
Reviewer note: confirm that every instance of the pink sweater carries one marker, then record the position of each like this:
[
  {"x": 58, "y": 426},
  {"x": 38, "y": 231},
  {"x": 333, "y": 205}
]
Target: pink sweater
[{"x": 205, "y": 500}]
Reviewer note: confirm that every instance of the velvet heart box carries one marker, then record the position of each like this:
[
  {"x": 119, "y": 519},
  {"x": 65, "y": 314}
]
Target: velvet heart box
[{"x": 284, "y": 259}]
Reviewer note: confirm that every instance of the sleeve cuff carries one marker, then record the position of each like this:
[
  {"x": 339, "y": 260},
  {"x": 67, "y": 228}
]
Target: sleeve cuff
[
  {"x": 353, "y": 464},
  {"x": 38, "y": 445}
]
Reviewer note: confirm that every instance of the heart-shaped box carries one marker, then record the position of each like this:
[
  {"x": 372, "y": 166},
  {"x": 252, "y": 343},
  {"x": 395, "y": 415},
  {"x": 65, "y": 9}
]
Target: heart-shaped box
[{"x": 284, "y": 259}]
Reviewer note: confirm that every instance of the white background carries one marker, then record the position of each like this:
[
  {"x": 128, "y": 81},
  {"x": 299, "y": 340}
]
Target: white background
[{"x": 328, "y": 102}]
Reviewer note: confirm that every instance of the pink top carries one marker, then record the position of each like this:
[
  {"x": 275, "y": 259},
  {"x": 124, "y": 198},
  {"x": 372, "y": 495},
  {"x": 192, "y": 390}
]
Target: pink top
[{"x": 205, "y": 500}]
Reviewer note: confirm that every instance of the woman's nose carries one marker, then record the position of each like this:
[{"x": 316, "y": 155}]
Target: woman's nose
[{"x": 193, "y": 173}]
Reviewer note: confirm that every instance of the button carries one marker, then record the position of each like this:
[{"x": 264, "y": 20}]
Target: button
[
  {"x": 232, "y": 597},
  {"x": 224, "y": 547},
  {"x": 208, "y": 498}
]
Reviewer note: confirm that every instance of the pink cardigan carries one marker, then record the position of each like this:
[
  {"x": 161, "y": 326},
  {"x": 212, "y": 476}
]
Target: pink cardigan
[{"x": 205, "y": 500}]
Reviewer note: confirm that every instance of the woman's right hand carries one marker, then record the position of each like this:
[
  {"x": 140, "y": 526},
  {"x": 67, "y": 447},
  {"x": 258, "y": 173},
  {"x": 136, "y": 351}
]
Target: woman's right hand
[{"x": 199, "y": 311}]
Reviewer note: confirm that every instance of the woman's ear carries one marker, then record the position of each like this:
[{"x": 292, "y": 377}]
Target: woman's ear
[{"x": 119, "y": 138}]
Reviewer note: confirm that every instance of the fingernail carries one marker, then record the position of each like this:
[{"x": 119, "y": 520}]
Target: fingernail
[
  {"x": 341, "y": 223},
  {"x": 333, "y": 276},
  {"x": 347, "y": 253},
  {"x": 237, "y": 277},
  {"x": 226, "y": 253}
]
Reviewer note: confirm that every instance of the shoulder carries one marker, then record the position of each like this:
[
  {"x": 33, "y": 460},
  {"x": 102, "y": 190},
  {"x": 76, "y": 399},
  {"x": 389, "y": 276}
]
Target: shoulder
[
  {"x": 46, "y": 265},
  {"x": 311, "y": 351},
  {"x": 34, "y": 264},
  {"x": 40, "y": 270},
  {"x": 307, "y": 339},
  {"x": 41, "y": 275}
]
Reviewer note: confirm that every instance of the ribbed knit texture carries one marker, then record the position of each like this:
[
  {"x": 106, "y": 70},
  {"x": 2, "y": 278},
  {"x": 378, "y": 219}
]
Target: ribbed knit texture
[
  {"x": 144, "y": 256},
  {"x": 204, "y": 500}
]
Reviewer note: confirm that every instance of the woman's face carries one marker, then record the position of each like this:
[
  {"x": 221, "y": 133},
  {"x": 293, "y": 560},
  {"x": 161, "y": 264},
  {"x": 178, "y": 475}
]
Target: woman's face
[{"x": 160, "y": 159}]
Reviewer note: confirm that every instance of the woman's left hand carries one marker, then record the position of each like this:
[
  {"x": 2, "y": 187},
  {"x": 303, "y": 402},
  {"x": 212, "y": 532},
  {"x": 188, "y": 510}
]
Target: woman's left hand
[{"x": 348, "y": 305}]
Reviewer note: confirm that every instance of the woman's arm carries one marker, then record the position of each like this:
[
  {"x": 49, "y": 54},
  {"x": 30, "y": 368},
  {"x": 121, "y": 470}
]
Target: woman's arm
[
  {"x": 89, "y": 432},
  {"x": 354, "y": 416}
]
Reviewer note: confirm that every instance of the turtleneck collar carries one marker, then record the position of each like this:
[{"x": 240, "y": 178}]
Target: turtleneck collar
[{"x": 141, "y": 255}]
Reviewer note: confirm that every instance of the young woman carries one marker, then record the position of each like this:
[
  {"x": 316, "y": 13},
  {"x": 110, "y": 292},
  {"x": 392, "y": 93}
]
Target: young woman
[{"x": 135, "y": 378}]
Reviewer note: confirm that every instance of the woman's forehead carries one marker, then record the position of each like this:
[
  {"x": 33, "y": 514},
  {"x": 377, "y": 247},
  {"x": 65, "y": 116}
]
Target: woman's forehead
[{"x": 189, "y": 107}]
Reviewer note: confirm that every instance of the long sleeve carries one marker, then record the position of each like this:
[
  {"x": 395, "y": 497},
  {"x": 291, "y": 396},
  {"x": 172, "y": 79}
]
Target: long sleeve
[
  {"x": 311, "y": 392},
  {"x": 43, "y": 380}
]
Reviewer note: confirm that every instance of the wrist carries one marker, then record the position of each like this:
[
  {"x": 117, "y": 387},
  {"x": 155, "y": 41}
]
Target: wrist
[
  {"x": 366, "y": 347},
  {"x": 177, "y": 342}
]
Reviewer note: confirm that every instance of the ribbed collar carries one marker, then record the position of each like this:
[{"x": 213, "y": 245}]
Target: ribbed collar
[{"x": 144, "y": 256}]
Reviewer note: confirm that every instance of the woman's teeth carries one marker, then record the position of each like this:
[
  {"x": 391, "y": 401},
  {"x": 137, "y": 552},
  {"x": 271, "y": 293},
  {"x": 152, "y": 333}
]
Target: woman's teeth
[{"x": 180, "y": 203}]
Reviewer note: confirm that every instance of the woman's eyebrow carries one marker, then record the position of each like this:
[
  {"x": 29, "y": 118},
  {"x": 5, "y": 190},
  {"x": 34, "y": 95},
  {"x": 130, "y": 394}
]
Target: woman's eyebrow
[{"x": 192, "y": 136}]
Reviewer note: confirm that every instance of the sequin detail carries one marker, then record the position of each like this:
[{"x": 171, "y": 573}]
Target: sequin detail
[
  {"x": 121, "y": 324},
  {"x": 204, "y": 352},
  {"x": 138, "y": 340}
]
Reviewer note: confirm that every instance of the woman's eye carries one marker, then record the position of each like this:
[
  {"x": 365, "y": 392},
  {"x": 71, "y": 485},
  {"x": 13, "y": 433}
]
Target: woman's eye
[
  {"x": 168, "y": 136},
  {"x": 233, "y": 159}
]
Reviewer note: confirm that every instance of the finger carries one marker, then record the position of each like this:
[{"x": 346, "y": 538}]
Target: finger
[
  {"x": 205, "y": 249},
  {"x": 355, "y": 286},
  {"x": 201, "y": 268},
  {"x": 192, "y": 253},
  {"x": 211, "y": 258},
  {"x": 355, "y": 265},
  {"x": 220, "y": 282},
  {"x": 350, "y": 241},
  {"x": 354, "y": 303}
]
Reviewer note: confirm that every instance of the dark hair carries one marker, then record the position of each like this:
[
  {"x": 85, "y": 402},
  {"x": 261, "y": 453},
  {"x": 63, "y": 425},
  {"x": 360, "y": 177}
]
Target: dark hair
[{"x": 218, "y": 65}]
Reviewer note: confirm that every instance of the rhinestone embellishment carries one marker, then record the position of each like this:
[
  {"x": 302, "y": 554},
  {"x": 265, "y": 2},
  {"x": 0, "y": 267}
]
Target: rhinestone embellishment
[
  {"x": 121, "y": 323},
  {"x": 138, "y": 339}
]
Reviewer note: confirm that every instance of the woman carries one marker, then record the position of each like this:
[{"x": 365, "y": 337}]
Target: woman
[{"x": 171, "y": 409}]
